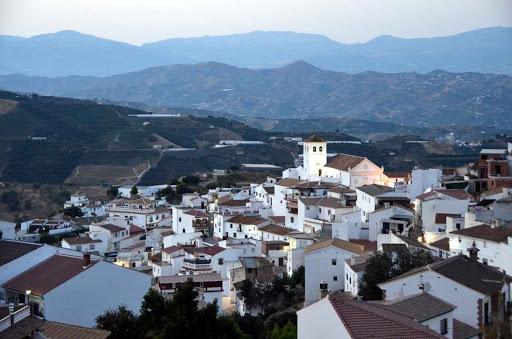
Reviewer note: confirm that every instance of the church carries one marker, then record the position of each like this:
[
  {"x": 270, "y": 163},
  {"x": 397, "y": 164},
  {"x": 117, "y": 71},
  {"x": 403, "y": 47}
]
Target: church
[{"x": 345, "y": 169}]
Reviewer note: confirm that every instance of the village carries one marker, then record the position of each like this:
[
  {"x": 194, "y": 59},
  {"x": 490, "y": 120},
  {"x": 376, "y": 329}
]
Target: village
[{"x": 422, "y": 253}]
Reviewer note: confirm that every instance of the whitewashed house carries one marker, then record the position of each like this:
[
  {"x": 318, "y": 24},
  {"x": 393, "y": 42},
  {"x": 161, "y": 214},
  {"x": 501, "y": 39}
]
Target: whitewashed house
[
  {"x": 480, "y": 292},
  {"x": 340, "y": 316},
  {"x": 142, "y": 212},
  {"x": 56, "y": 286},
  {"x": 324, "y": 264},
  {"x": 238, "y": 226},
  {"x": 189, "y": 220},
  {"x": 84, "y": 244}
]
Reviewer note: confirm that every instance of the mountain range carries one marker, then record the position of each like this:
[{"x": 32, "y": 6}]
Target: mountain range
[
  {"x": 487, "y": 50},
  {"x": 298, "y": 90}
]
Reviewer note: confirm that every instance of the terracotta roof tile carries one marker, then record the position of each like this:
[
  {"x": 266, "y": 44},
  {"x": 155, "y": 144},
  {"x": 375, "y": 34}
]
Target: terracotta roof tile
[
  {"x": 421, "y": 306},
  {"x": 341, "y": 244},
  {"x": 487, "y": 232},
  {"x": 314, "y": 138},
  {"x": 443, "y": 244},
  {"x": 276, "y": 229},
  {"x": 11, "y": 250},
  {"x": 197, "y": 213},
  {"x": 374, "y": 189},
  {"x": 246, "y": 220},
  {"x": 357, "y": 315},
  {"x": 464, "y": 331},
  {"x": 47, "y": 275},
  {"x": 112, "y": 228},
  {"x": 343, "y": 162}
]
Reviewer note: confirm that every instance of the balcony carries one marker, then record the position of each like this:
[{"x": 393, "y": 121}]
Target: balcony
[{"x": 197, "y": 264}]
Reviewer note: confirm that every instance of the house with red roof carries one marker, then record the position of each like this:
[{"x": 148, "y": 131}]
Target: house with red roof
[
  {"x": 75, "y": 290},
  {"x": 440, "y": 202}
]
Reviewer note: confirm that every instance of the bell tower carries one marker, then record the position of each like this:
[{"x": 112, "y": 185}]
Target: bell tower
[{"x": 314, "y": 155}]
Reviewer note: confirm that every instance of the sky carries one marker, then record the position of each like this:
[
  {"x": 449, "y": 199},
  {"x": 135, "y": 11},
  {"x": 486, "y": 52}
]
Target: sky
[{"x": 139, "y": 21}]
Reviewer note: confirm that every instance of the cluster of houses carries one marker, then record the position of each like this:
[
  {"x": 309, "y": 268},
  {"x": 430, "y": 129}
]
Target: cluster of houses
[{"x": 329, "y": 215}]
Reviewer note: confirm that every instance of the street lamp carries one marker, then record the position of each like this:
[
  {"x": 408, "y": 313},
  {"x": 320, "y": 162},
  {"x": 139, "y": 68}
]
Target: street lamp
[{"x": 28, "y": 292}]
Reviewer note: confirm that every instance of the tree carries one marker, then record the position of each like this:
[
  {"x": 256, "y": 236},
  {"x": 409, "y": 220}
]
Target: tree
[
  {"x": 378, "y": 270},
  {"x": 121, "y": 323},
  {"x": 134, "y": 191},
  {"x": 289, "y": 331},
  {"x": 381, "y": 267},
  {"x": 113, "y": 192},
  {"x": 190, "y": 180},
  {"x": 73, "y": 212},
  {"x": 298, "y": 277}
]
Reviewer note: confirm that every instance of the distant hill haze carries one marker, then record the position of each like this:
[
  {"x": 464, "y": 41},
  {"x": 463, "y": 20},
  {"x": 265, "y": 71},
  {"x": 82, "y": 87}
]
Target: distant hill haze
[
  {"x": 298, "y": 90},
  {"x": 64, "y": 53}
]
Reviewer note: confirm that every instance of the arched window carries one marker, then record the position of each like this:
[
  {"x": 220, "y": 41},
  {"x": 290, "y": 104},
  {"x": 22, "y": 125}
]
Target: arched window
[
  {"x": 320, "y": 149},
  {"x": 314, "y": 148}
]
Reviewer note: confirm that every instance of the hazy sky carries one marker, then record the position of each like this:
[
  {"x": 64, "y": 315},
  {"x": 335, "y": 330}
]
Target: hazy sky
[{"x": 138, "y": 21}]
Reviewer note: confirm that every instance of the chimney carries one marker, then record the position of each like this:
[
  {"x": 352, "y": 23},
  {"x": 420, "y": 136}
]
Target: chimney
[
  {"x": 473, "y": 253},
  {"x": 323, "y": 289},
  {"x": 87, "y": 259}
]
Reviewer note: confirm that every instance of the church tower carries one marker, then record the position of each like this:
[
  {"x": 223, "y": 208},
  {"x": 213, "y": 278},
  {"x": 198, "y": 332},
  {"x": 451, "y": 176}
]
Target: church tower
[{"x": 314, "y": 155}]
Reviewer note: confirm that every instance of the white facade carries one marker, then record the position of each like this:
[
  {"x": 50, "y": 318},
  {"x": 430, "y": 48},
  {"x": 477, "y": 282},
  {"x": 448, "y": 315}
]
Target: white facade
[
  {"x": 466, "y": 299},
  {"x": 320, "y": 320},
  {"x": 325, "y": 265},
  {"x": 421, "y": 180},
  {"x": 315, "y": 157},
  {"x": 110, "y": 286}
]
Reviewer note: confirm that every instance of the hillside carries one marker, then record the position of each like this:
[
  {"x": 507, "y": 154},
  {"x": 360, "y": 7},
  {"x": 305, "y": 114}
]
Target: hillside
[
  {"x": 55, "y": 140},
  {"x": 72, "y": 53},
  {"x": 298, "y": 90}
]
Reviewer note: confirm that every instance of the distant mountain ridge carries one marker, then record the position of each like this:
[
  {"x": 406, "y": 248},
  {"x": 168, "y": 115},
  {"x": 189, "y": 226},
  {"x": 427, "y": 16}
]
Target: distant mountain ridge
[
  {"x": 298, "y": 90},
  {"x": 487, "y": 50}
]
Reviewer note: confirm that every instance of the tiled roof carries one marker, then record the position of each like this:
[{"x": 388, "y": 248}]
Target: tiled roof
[
  {"x": 314, "y": 138},
  {"x": 472, "y": 274},
  {"x": 341, "y": 244},
  {"x": 397, "y": 174},
  {"x": 314, "y": 184},
  {"x": 322, "y": 201},
  {"x": 343, "y": 162},
  {"x": 463, "y": 331},
  {"x": 81, "y": 240},
  {"x": 210, "y": 250},
  {"x": 421, "y": 306},
  {"x": 374, "y": 189},
  {"x": 184, "y": 278},
  {"x": 443, "y": 244},
  {"x": 197, "y": 213},
  {"x": 276, "y": 229},
  {"x": 341, "y": 189},
  {"x": 11, "y": 250},
  {"x": 367, "y": 320},
  {"x": 64, "y": 331},
  {"x": 47, "y": 275},
  {"x": 112, "y": 228},
  {"x": 234, "y": 203},
  {"x": 454, "y": 193},
  {"x": 246, "y": 220},
  {"x": 278, "y": 219},
  {"x": 441, "y": 217},
  {"x": 289, "y": 182},
  {"x": 172, "y": 249},
  {"x": 134, "y": 229},
  {"x": 487, "y": 232},
  {"x": 369, "y": 246},
  {"x": 411, "y": 242}
]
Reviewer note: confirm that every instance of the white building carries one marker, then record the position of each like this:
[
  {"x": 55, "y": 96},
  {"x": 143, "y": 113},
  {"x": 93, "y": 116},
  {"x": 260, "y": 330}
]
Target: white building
[
  {"x": 77, "y": 200},
  {"x": 449, "y": 201},
  {"x": 354, "y": 270},
  {"x": 142, "y": 191},
  {"x": 340, "y": 316},
  {"x": 142, "y": 212},
  {"x": 189, "y": 220},
  {"x": 238, "y": 226},
  {"x": 324, "y": 264},
  {"x": 480, "y": 292},
  {"x": 58, "y": 284},
  {"x": 494, "y": 242},
  {"x": 84, "y": 244}
]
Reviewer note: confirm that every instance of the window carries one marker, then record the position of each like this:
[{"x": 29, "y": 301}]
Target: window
[
  {"x": 335, "y": 278},
  {"x": 320, "y": 149},
  {"x": 79, "y": 248},
  {"x": 486, "y": 314},
  {"x": 292, "y": 220},
  {"x": 333, "y": 261},
  {"x": 183, "y": 230},
  {"x": 179, "y": 219},
  {"x": 314, "y": 148},
  {"x": 91, "y": 246},
  {"x": 444, "y": 326},
  {"x": 221, "y": 261}
]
